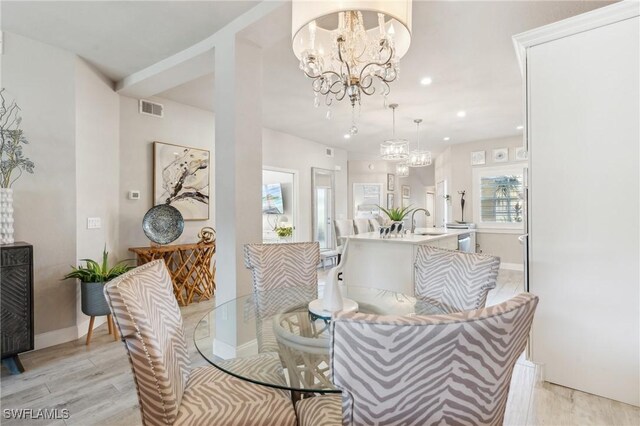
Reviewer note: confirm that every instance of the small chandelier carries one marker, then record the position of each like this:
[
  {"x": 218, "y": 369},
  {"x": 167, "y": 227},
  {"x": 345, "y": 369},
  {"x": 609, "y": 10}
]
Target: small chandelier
[
  {"x": 419, "y": 157},
  {"x": 349, "y": 48},
  {"x": 402, "y": 169},
  {"x": 394, "y": 149}
]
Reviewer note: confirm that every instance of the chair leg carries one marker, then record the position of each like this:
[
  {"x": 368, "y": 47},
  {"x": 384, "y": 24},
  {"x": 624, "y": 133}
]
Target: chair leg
[
  {"x": 90, "y": 332},
  {"x": 114, "y": 328},
  {"x": 109, "y": 324}
]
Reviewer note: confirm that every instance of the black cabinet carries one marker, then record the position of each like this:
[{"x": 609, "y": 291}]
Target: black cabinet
[{"x": 16, "y": 302}]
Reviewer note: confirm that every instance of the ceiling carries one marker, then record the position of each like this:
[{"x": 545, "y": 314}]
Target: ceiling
[
  {"x": 465, "y": 47},
  {"x": 120, "y": 37}
]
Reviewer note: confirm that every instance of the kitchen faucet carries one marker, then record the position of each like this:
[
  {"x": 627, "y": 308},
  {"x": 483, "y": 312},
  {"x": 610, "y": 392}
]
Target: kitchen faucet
[{"x": 413, "y": 222}]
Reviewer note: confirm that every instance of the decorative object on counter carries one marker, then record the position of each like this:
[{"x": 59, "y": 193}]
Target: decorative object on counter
[
  {"x": 332, "y": 300},
  {"x": 207, "y": 235},
  {"x": 190, "y": 267},
  {"x": 12, "y": 161},
  {"x": 419, "y": 157},
  {"x": 344, "y": 53},
  {"x": 92, "y": 278},
  {"x": 500, "y": 155},
  {"x": 390, "y": 200},
  {"x": 163, "y": 224},
  {"x": 391, "y": 182},
  {"x": 520, "y": 154},
  {"x": 462, "y": 193},
  {"x": 396, "y": 214},
  {"x": 284, "y": 231},
  {"x": 16, "y": 309},
  {"x": 394, "y": 149},
  {"x": 181, "y": 179},
  {"x": 402, "y": 169},
  {"x": 478, "y": 158}
]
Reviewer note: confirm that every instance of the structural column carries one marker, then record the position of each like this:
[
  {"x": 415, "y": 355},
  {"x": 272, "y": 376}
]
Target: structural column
[{"x": 238, "y": 161}]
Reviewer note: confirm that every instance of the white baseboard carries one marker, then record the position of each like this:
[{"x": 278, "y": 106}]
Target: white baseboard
[
  {"x": 64, "y": 335},
  {"x": 512, "y": 266}
]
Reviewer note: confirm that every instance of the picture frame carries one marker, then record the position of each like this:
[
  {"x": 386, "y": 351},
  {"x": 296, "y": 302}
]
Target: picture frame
[
  {"x": 478, "y": 158},
  {"x": 500, "y": 155},
  {"x": 390, "y": 200},
  {"x": 406, "y": 202},
  {"x": 406, "y": 191},
  {"x": 520, "y": 154},
  {"x": 188, "y": 192},
  {"x": 391, "y": 182}
]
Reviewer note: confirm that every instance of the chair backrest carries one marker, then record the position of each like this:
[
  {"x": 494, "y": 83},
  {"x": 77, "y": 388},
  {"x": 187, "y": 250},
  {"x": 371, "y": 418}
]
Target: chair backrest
[
  {"x": 344, "y": 228},
  {"x": 375, "y": 224},
  {"x": 150, "y": 323},
  {"x": 283, "y": 266},
  {"x": 440, "y": 369},
  {"x": 362, "y": 226},
  {"x": 459, "y": 280}
]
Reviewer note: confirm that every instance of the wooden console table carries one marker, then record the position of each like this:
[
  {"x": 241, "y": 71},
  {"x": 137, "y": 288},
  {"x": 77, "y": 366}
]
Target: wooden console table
[{"x": 189, "y": 266}]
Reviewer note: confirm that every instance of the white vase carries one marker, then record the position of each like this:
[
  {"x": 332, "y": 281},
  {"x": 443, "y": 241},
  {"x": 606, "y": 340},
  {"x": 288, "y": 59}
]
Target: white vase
[
  {"x": 6, "y": 216},
  {"x": 332, "y": 300}
]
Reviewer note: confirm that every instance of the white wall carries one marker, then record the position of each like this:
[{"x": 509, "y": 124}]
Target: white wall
[
  {"x": 290, "y": 152},
  {"x": 97, "y": 148},
  {"x": 41, "y": 79},
  {"x": 454, "y": 164},
  {"x": 181, "y": 125}
]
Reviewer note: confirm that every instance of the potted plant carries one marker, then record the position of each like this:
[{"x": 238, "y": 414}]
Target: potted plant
[
  {"x": 92, "y": 278},
  {"x": 397, "y": 214}
]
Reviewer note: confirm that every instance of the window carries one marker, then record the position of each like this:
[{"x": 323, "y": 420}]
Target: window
[{"x": 499, "y": 196}]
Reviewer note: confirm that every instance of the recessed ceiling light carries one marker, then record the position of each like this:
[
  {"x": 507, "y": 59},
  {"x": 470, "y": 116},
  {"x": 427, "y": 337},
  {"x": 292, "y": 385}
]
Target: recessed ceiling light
[
  {"x": 446, "y": 138},
  {"x": 519, "y": 127},
  {"x": 461, "y": 114},
  {"x": 347, "y": 136},
  {"x": 426, "y": 81}
]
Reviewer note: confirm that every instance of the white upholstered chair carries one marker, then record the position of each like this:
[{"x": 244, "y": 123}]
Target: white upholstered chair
[
  {"x": 344, "y": 228},
  {"x": 455, "y": 279},
  {"x": 423, "y": 370},
  {"x": 362, "y": 226},
  {"x": 170, "y": 392}
]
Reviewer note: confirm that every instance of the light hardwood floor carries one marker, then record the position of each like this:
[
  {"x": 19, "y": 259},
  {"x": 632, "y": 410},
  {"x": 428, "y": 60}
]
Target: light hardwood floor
[{"x": 96, "y": 386}]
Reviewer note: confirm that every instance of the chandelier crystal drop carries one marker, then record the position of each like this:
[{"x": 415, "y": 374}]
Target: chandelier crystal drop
[
  {"x": 419, "y": 157},
  {"x": 402, "y": 169},
  {"x": 350, "y": 48},
  {"x": 394, "y": 149}
]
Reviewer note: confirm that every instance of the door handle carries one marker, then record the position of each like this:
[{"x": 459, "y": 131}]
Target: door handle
[{"x": 522, "y": 237}]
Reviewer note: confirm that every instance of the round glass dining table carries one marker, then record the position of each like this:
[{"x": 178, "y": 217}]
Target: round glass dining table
[{"x": 277, "y": 323}]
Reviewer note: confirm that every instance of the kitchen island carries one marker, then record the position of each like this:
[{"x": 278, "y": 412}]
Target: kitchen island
[{"x": 388, "y": 263}]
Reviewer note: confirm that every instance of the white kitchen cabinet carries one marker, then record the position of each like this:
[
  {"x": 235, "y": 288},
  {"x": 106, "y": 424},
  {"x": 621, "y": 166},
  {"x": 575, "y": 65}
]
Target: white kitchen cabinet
[{"x": 583, "y": 132}]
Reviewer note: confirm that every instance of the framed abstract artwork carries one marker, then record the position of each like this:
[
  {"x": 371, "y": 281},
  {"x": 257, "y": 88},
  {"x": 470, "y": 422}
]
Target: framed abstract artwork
[
  {"x": 500, "y": 155},
  {"x": 391, "y": 182},
  {"x": 406, "y": 191},
  {"x": 181, "y": 179},
  {"x": 477, "y": 158}
]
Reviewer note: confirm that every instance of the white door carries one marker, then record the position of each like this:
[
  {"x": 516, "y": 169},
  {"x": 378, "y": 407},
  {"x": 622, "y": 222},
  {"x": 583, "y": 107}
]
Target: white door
[
  {"x": 430, "y": 203},
  {"x": 441, "y": 203},
  {"x": 583, "y": 106}
]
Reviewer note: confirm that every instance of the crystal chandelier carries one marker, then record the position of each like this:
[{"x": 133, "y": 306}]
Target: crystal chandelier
[
  {"x": 394, "y": 149},
  {"x": 402, "y": 169},
  {"x": 349, "y": 48},
  {"x": 419, "y": 157}
]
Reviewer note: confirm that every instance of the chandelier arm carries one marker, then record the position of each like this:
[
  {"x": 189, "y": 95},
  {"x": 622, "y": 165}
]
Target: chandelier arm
[
  {"x": 311, "y": 75},
  {"x": 365, "y": 90},
  {"x": 342, "y": 61},
  {"x": 380, "y": 64},
  {"x": 340, "y": 87}
]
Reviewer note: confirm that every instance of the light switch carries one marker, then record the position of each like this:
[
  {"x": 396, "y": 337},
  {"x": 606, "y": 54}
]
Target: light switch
[{"x": 94, "y": 223}]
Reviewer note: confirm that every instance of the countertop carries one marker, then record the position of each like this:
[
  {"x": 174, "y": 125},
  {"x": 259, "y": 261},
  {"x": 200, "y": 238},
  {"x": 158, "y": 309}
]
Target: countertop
[{"x": 412, "y": 238}]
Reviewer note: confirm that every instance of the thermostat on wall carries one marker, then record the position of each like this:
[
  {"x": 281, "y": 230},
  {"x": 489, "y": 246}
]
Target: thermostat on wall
[{"x": 134, "y": 195}]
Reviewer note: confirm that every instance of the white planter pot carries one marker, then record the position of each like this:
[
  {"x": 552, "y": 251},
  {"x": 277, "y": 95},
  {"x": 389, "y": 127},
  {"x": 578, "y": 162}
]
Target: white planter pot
[{"x": 6, "y": 216}]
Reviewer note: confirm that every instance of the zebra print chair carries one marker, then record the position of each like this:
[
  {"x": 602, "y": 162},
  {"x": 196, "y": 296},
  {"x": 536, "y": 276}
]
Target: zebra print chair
[
  {"x": 169, "y": 391},
  {"x": 423, "y": 370},
  {"x": 459, "y": 281}
]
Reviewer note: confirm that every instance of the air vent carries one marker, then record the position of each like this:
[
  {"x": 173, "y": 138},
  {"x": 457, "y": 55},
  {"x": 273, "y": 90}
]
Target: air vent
[
  {"x": 328, "y": 152},
  {"x": 151, "y": 108}
]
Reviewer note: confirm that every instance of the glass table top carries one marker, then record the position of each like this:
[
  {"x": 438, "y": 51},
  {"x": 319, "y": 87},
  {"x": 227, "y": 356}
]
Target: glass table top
[{"x": 277, "y": 324}]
